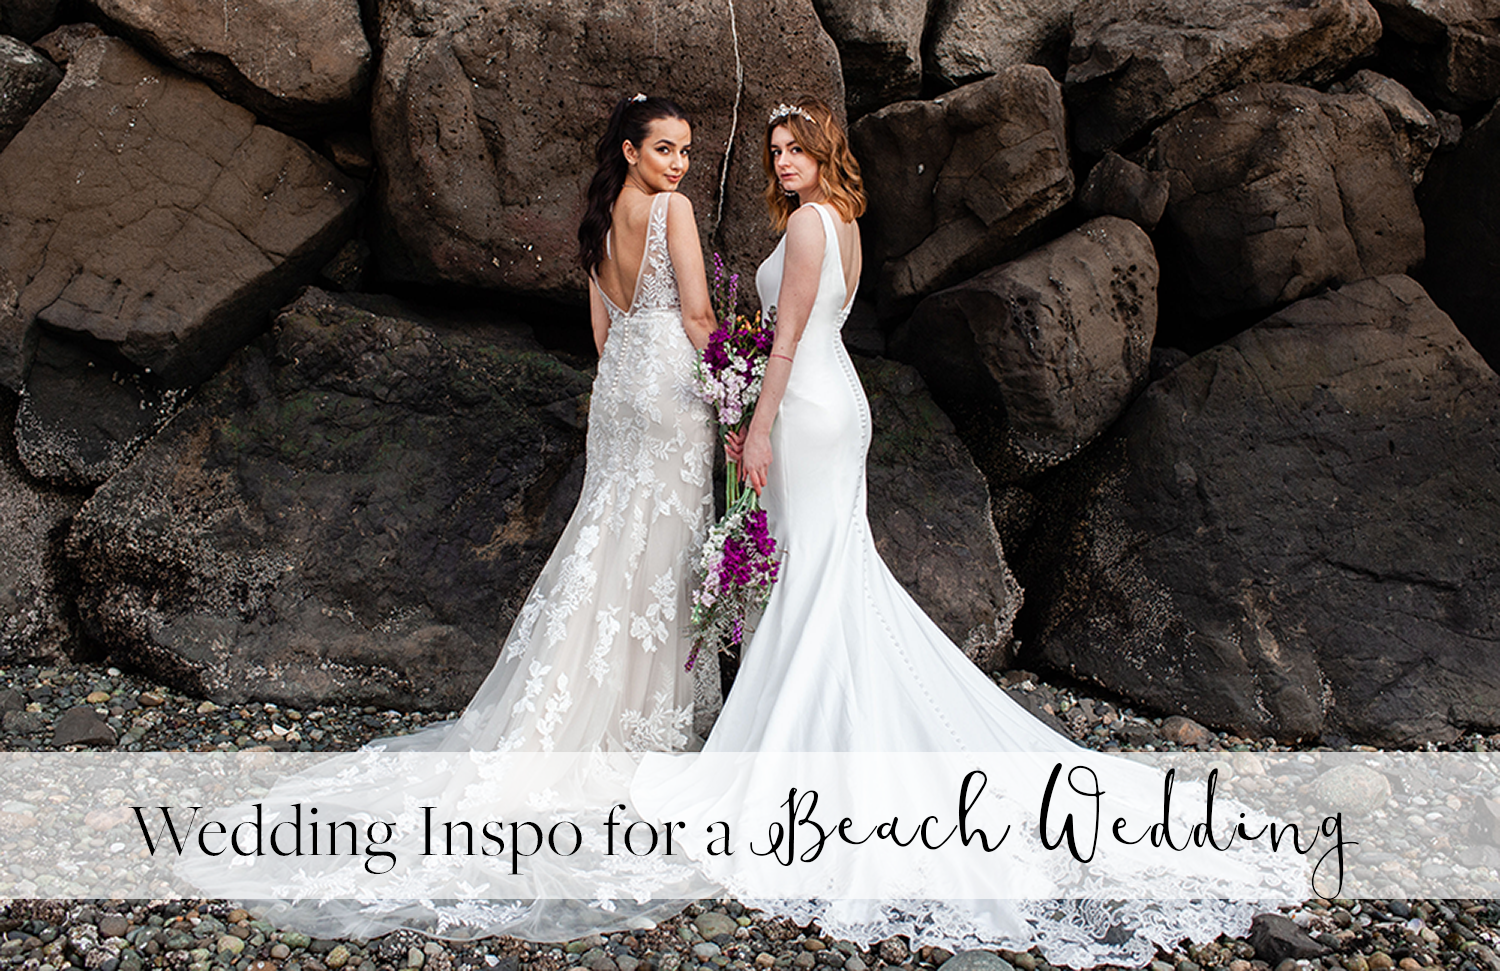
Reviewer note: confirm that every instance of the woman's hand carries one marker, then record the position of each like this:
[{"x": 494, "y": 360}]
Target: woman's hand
[
  {"x": 755, "y": 462},
  {"x": 734, "y": 445}
]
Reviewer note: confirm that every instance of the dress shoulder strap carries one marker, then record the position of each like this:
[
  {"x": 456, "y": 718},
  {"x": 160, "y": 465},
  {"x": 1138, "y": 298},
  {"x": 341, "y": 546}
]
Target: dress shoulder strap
[
  {"x": 657, "y": 226},
  {"x": 828, "y": 223},
  {"x": 657, "y": 286},
  {"x": 830, "y": 230}
]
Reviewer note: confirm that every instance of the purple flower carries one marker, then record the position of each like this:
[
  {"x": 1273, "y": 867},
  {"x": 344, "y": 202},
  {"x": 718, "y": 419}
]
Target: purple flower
[
  {"x": 756, "y": 529},
  {"x": 716, "y": 354},
  {"x": 733, "y": 363},
  {"x": 735, "y": 571}
]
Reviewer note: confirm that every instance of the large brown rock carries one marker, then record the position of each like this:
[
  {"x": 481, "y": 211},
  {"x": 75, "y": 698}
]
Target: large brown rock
[
  {"x": 1035, "y": 358},
  {"x": 1295, "y": 532},
  {"x": 1134, "y": 62},
  {"x": 1450, "y": 49},
  {"x": 880, "y": 48},
  {"x": 299, "y": 62},
  {"x": 28, "y": 19},
  {"x": 35, "y": 591},
  {"x": 1117, "y": 186},
  {"x": 141, "y": 211},
  {"x": 61, "y": 44},
  {"x": 1460, "y": 200},
  {"x": 82, "y": 416},
  {"x": 351, "y": 511},
  {"x": 972, "y": 39},
  {"x": 26, "y": 80},
  {"x": 952, "y": 182},
  {"x": 1417, "y": 131},
  {"x": 485, "y": 117},
  {"x": 1277, "y": 938},
  {"x": 17, "y": 340},
  {"x": 930, "y": 511},
  {"x": 1278, "y": 191},
  {"x": 81, "y": 725}
]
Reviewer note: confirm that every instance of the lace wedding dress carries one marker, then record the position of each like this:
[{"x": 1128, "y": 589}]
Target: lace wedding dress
[
  {"x": 595, "y": 659},
  {"x": 593, "y": 664},
  {"x": 843, "y": 660}
]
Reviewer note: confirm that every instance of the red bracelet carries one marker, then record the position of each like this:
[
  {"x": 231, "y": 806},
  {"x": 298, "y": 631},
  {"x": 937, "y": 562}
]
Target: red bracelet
[{"x": 783, "y": 357}]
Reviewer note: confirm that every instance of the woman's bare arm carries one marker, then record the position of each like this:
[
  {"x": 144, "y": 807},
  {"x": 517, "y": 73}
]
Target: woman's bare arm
[
  {"x": 799, "y": 290},
  {"x": 687, "y": 260},
  {"x": 598, "y": 316}
]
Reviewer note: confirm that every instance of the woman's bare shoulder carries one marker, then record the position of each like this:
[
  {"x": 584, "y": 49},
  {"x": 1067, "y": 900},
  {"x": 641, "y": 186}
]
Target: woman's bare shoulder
[{"x": 805, "y": 227}]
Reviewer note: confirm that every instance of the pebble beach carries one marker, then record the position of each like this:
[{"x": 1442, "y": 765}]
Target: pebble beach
[{"x": 80, "y": 707}]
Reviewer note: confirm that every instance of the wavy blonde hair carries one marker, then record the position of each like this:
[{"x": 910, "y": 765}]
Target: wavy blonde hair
[{"x": 838, "y": 171}]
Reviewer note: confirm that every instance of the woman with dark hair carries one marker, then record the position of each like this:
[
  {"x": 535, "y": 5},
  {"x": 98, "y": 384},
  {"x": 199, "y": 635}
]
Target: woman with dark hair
[
  {"x": 642, "y": 156},
  {"x": 595, "y": 659}
]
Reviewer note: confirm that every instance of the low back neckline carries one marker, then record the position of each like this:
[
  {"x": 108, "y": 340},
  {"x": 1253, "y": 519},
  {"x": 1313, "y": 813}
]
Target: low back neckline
[
  {"x": 640, "y": 270},
  {"x": 831, "y": 228}
]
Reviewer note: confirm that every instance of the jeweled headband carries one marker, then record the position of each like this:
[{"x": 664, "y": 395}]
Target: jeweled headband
[{"x": 784, "y": 110}]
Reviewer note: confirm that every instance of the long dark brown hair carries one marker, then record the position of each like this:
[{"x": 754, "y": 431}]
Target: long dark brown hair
[{"x": 629, "y": 122}]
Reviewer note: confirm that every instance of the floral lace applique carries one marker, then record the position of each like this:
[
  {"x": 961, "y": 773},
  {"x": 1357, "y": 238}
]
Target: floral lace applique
[
  {"x": 576, "y": 578},
  {"x": 608, "y": 626},
  {"x": 650, "y": 628},
  {"x": 536, "y": 680},
  {"x": 664, "y": 729},
  {"x": 525, "y": 625},
  {"x": 557, "y": 706}
]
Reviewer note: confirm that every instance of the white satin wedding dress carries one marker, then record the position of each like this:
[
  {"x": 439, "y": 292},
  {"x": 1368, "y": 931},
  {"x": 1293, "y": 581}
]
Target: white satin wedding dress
[{"x": 843, "y": 660}]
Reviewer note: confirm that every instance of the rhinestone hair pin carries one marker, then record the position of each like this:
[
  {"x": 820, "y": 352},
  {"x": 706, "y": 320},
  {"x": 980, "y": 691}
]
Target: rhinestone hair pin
[{"x": 785, "y": 110}]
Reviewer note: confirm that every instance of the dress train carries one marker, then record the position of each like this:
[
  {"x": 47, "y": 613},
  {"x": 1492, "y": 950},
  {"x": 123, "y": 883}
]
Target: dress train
[
  {"x": 843, "y": 660},
  {"x": 593, "y": 665}
]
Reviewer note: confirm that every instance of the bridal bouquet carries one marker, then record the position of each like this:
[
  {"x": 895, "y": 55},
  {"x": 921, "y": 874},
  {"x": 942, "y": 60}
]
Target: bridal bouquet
[
  {"x": 737, "y": 565},
  {"x": 734, "y": 363},
  {"x": 735, "y": 569}
]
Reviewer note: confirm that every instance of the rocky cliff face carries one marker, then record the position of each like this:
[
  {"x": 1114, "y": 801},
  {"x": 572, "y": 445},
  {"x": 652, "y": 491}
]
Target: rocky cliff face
[{"x": 1191, "y": 294}]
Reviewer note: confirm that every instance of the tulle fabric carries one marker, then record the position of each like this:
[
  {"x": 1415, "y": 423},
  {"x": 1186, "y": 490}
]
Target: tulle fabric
[{"x": 594, "y": 663}]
